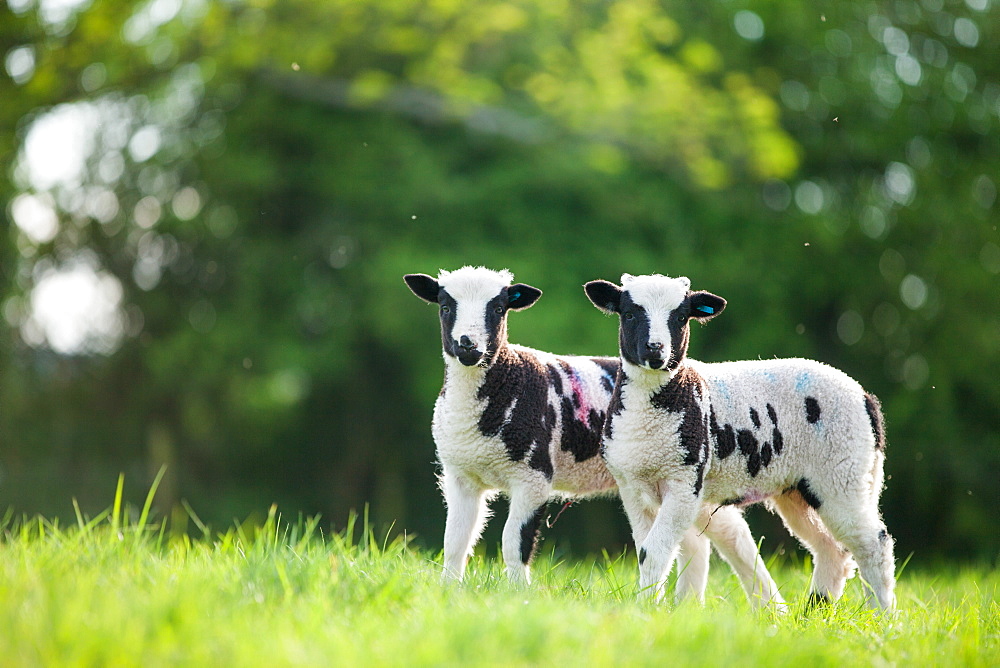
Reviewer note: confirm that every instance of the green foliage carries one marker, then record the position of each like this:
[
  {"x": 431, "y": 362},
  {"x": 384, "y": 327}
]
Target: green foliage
[
  {"x": 265, "y": 172},
  {"x": 107, "y": 591}
]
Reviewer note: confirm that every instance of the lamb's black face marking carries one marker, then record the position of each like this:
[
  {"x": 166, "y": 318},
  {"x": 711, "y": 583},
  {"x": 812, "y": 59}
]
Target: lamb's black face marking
[
  {"x": 530, "y": 532},
  {"x": 464, "y": 349},
  {"x": 633, "y": 334},
  {"x": 812, "y": 410},
  {"x": 682, "y": 394}
]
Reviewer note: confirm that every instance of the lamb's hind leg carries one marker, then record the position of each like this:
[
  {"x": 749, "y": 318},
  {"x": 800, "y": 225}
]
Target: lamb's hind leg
[
  {"x": 832, "y": 565},
  {"x": 855, "y": 521},
  {"x": 733, "y": 541},
  {"x": 692, "y": 565}
]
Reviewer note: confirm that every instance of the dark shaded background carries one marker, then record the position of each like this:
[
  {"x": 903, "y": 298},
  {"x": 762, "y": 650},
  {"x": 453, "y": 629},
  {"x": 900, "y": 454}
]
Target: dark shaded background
[{"x": 207, "y": 274}]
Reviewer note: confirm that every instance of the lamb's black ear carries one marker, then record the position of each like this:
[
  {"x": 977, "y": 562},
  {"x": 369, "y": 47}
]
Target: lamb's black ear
[
  {"x": 423, "y": 286},
  {"x": 605, "y": 295},
  {"x": 521, "y": 296},
  {"x": 705, "y": 305}
]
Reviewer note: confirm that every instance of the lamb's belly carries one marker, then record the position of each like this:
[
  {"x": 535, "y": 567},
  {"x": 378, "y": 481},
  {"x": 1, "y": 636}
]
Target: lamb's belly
[
  {"x": 580, "y": 478},
  {"x": 730, "y": 483}
]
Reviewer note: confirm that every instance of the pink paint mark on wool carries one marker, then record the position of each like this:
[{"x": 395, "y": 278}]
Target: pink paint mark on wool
[{"x": 582, "y": 409}]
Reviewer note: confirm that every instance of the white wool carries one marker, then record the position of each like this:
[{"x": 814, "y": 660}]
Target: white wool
[
  {"x": 826, "y": 440},
  {"x": 655, "y": 292},
  {"x": 476, "y": 466},
  {"x": 474, "y": 282}
]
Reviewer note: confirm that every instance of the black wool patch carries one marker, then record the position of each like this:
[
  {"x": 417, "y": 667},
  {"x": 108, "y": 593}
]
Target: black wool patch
[
  {"x": 681, "y": 395},
  {"x": 808, "y": 494},
  {"x": 812, "y": 410},
  {"x": 522, "y": 381},
  {"x": 765, "y": 455},
  {"x": 874, "y": 409},
  {"x": 540, "y": 459},
  {"x": 583, "y": 439},
  {"x": 555, "y": 378},
  {"x": 615, "y": 406},
  {"x": 754, "y": 417},
  {"x": 530, "y": 532},
  {"x": 725, "y": 437},
  {"x": 777, "y": 439},
  {"x": 749, "y": 448},
  {"x": 610, "y": 366},
  {"x": 642, "y": 555}
]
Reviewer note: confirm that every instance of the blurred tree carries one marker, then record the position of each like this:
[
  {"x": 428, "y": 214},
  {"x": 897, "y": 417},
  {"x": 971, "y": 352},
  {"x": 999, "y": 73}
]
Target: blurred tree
[{"x": 234, "y": 189}]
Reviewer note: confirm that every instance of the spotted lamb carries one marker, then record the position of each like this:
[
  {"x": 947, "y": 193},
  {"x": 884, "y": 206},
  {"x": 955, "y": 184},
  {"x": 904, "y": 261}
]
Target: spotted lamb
[
  {"x": 682, "y": 434},
  {"x": 528, "y": 423}
]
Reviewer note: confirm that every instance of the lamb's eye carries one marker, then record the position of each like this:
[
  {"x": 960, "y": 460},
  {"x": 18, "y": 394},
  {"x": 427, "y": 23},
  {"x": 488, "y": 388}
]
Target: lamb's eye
[
  {"x": 498, "y": 309},
  {"x": 629, "y": 315},
  {"x": 445, "y": 309}
]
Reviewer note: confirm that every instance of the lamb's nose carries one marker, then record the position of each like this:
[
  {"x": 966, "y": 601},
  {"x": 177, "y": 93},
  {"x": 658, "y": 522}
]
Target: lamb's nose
[
  {"x": 466, "y": 343},
  {"x": 654, "y": 346}
]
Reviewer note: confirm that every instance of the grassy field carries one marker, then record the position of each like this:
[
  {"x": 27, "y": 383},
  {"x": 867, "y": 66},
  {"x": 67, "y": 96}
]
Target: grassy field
[{"x": 118, "y": 590}]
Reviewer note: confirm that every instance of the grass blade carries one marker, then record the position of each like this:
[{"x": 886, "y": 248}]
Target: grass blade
[{"x": 149, "y": 499}]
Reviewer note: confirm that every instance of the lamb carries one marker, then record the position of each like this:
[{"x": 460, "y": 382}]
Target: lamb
[
  {"x": 528, "y": 423},
  {"x": 797, "y": 433}
]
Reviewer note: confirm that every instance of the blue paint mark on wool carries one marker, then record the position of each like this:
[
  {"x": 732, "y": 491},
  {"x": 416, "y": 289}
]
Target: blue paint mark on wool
[{"x": 802, "y": 382}]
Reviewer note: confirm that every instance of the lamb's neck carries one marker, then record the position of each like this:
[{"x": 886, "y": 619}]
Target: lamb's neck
[
  {"x": 649, "y": 380},
  {"x": 471, "y": 378}
]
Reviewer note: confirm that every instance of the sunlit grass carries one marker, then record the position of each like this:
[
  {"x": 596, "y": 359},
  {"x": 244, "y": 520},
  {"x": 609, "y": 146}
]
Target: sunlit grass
[{"x": 119, "y": 589}]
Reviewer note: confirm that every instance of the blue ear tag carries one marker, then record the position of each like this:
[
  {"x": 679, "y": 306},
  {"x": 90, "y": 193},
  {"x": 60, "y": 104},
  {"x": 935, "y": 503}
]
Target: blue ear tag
[
  {"x": 708, "y": 310},
  {"x": 516, "y": 295}
]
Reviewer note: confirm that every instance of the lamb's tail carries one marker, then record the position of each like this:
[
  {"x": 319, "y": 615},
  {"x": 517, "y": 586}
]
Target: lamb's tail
[{"x": 874, "y": 409}]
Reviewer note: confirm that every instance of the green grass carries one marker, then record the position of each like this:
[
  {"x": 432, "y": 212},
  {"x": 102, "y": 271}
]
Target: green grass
[{"x": 117, "y": 591}]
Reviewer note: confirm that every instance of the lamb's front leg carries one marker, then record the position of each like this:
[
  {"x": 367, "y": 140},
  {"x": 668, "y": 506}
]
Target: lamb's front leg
[
  {"x": 677, "y": 513},
  {"x": 520, "y": 533},
  {"x": 467, "y": 513}
]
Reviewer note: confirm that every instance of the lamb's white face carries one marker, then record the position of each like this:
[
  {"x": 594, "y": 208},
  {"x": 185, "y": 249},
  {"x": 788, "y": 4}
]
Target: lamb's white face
[
  {"x": 654, "y": 320},
  {"x": 654, "y": 311},
  {"x": 473, "y": 303}
]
